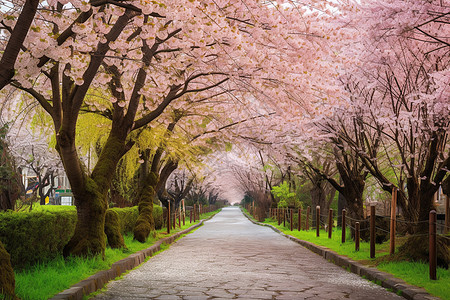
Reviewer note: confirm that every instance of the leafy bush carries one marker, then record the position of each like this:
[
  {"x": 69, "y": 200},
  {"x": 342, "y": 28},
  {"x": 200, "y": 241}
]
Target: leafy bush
[
  {"x": 127, "y": 218},
  {"x": 285, "y": 197},
  {"x": 30, "y": 237},
  {"x": 36, "y": 236},
  {"x": 158, "y": 216}
]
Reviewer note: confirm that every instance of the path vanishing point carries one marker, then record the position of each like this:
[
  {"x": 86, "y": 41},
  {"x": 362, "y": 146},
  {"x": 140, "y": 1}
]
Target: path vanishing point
[{"x": 231, "y": 258}]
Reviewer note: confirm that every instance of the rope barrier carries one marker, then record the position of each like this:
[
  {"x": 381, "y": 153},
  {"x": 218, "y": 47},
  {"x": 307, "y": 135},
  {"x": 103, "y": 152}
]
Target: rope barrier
[
  {"x": 410, "y": 222},
  {"x": 381, "y": 229},
  {"x": 356, "y": 220}
]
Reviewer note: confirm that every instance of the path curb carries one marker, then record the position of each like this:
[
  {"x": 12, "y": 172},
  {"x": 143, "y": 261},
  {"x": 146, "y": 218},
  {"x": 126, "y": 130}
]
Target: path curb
[
  {"x": 386, "y": 280},
  {"x": 100, "y": 279}
]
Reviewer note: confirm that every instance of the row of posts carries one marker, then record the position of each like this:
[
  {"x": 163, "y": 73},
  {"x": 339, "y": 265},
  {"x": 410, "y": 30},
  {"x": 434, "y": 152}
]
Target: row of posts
[
  {"x": 281, "y": 215},
  {"x": 180, "y": 215}
]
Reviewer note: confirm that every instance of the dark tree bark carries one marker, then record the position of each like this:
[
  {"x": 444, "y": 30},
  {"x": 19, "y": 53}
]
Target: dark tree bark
[{"x": 15, "y": 42}]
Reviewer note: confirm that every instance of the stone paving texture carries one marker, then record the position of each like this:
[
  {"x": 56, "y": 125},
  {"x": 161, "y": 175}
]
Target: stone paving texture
[{"x": 231, "y": 258}]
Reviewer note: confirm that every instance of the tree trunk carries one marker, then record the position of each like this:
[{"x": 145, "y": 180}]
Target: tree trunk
[
  {"x": 89, "y": 237},
  {"x": 90, "y": 193},
  {"x": 145, "y": 223},
  {"x": 7, "y": 281}
]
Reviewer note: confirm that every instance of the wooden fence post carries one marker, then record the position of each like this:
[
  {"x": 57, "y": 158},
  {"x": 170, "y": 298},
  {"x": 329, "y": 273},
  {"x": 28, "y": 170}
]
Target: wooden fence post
[
  {"x": 447, "y": 214},
  {"x": 168, "y": 217},
  {"x": 317, "y": 220},
  {"x": 372, "y": 231},
  {"x": 279, "y": 215},
  {"x": 195, "y": 212},
  {"x": 343, "y": 226},
  {"x": 284, "y": 217},
  {"x": 184, "y": 212},
  {"x": 357, "y": 236},
  {"x": 299, "y": 219},
  {"x": 330, "y": 222},
  {"x": 308, "y": 212},
  {"x": 393, "y": 217},
  {"x": 190, "y": 217},
  {"x": 432, "y": 247},
  {"x": 292, "y": 218}
]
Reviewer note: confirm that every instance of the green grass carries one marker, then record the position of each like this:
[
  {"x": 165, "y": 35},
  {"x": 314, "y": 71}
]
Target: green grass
[
  {"x": 416, "y": 273},
  {"x": 411, "y": 272},
  {"x": 43, "y": 281}
]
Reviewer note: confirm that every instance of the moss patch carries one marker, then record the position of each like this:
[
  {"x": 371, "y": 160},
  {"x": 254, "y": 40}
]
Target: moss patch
[
  {"x": 145, "y": 223},
  {"x": 112, "y": 230},
  {"x": 7, "y": 282}
]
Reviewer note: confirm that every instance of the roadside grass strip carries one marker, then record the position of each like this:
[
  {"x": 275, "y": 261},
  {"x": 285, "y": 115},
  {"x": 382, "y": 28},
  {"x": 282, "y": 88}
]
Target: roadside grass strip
[{"x": 43, "y": 281}]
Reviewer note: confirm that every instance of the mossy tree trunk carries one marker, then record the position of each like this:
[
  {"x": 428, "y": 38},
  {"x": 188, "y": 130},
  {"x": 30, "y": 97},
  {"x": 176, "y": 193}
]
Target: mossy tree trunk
[
  {"x": 90, "y": 194},
  {"x": 7, "y": 281},
  {"x": 112, "y": 230},
  {"x": 145, "y": 223}
]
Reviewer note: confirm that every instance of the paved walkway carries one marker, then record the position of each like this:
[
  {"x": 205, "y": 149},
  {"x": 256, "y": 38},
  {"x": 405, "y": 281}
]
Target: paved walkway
[{"x": 231, "y": 258}]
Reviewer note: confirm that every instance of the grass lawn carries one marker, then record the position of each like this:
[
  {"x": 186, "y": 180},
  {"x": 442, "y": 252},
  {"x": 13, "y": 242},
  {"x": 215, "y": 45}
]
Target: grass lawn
[
  {"x": 43, "y": 281},
  {"x": 414, "y": 273}
]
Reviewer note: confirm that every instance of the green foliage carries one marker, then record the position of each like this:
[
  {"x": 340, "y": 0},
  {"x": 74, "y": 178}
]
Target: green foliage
[
  {"x": 158, "y": 217},
  {"x": 40, "y": 235},
  {"x": 247, "y": 199},
  {"x": 285, "y": 197},
  {"x": 127, "y": 218},
  {"x": 35, "y": 236}
]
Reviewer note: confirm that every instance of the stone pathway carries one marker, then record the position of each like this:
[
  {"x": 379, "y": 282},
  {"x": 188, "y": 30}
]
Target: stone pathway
[{"x": 231, "y": 258}]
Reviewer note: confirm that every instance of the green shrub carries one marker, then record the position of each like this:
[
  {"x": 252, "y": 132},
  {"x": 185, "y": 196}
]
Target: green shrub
[
  {"x": 127, "y": 218},
  {"x": 30, "y": 237},
  {"x": 158, "y": 216},
  {"x": 38, "y": 236}
]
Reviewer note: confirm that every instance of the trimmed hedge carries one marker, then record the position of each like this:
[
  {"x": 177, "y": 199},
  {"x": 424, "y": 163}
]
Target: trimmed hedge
[
  {"x": 36, "y": 236},
  {"x": 158, "y": 216}
]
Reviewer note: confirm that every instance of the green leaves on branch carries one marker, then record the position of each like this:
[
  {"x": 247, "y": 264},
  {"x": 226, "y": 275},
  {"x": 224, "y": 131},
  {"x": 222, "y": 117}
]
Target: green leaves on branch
[{"x": 285, "y": 197}]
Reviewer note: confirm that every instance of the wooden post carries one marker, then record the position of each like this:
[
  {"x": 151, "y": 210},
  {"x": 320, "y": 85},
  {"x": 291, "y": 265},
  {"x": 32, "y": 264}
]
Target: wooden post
[
  {"x": 343, "y": 226},
  {"x": 330, "y": 222},
  {"x": 184, "y": 212},
  {"x": 168, "y": 217},
  {"x": 447, "y": 214},
  {"x": 279, "y": 216},
  {"x": 372, "y": 231},
  {"x": 299, "y": 219},
  {"x": 308, "y": 212},
  {"x": 432, "y": 247},
  {"x": 393, "y": 217},
  {"x": 190, "y": 216},
  {"x": 174, "y": 223},
  {"x": 179, "y": 216},
  {"x": 317, "y": 220},
  {"x": 292, "y": 218},
  {"x": 195, "y": 212},
  {"x": 357, "y": 236},
  {"x": 284, "y": 217}
]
